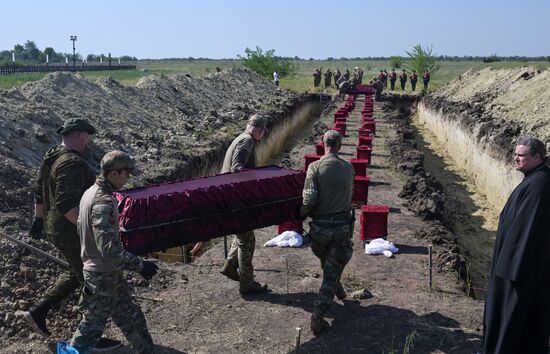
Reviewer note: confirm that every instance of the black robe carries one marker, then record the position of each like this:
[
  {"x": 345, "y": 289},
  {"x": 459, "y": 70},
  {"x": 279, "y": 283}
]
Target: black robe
[{"x": 517, "y": 309}]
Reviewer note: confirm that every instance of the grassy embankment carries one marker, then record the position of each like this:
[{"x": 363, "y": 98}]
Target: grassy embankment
[{"x": 302, "y": 81}]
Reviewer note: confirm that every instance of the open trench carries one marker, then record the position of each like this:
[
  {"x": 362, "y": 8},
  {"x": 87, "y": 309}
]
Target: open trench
[
  {"x": 290, "y": 132},
  {"x": 475, "y": 184}
]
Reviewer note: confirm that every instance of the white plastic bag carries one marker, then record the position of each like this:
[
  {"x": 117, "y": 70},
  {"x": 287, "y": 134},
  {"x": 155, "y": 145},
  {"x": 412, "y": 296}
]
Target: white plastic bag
[
  {"x": 286, "y": 239},
  {"x": 381, "y": 246}
]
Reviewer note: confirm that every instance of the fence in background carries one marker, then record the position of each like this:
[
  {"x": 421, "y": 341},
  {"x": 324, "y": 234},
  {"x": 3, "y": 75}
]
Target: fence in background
[{"x": 23, "y": 69}]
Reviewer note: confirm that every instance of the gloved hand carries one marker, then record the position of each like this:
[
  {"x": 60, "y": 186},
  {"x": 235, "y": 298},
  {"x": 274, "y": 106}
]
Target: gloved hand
[
  {"x": 37, "y": 227},
  {"x": 149, "y": 269}
]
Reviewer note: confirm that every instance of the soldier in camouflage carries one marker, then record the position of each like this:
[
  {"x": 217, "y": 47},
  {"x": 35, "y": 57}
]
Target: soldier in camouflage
[
  {"x": 327, "y": 197},
  {"x": 241, "y": 155},
  {"x": 105, "y": 293},
  {"x": 63, "y": 178}
]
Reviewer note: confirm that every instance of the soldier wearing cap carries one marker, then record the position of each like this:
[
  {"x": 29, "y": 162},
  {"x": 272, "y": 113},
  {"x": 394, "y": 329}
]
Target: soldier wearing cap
[
  {"x": 241, "y": 155},
  {"x": 105, "y": 293},
  {"x": 63, "y": 178},
  {"x": 327, "y": 197}
]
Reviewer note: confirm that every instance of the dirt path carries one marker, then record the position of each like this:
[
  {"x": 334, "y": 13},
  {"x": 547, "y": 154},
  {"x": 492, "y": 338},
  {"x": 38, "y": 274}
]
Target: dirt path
[{"x": 194, "y": 309}]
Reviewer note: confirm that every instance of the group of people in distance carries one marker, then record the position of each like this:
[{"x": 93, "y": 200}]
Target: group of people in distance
[{"x": 392, "y": 77}]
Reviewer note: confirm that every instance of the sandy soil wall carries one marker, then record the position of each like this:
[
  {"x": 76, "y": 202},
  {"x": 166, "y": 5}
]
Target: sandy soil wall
[{"x": 495, "y": 178}]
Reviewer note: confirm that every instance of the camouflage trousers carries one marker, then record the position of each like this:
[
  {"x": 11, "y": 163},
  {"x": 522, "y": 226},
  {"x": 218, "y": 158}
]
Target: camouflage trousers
[
  {"x": 71, "y": 279},
  {"x": 333, "y": 246},
  {"x": 104, "y": 296},
  {"x": 241, "y": 254}
]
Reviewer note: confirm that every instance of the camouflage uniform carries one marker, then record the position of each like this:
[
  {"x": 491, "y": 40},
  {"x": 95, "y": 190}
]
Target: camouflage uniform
[
  {"x": 327, "y": 199},
  {"x": 317, "y": 77},
  {"x": 241, "y": 155},
  {"x": 337, "y": 76},
  {"x": 64, "y": 176},
  {"x": 328, "y": 78},
  {"x": 105, "y": 293}
]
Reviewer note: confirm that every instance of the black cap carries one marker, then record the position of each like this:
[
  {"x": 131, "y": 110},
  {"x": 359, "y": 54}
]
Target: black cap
[{"x": 76, "y": 125}]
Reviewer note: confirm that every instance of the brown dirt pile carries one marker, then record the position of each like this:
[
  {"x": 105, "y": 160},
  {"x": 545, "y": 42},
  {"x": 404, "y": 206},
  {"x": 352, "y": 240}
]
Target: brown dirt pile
[
  {"x": 171, "y": 124},
  {"x": 498, "y": 105}
]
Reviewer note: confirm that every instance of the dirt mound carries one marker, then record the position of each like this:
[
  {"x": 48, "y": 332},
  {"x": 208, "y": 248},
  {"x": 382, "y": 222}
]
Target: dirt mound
[
  {"x": 168, "y": 123},
  {"x": 498, "y": 105},
  {"x": 171, "y": 124}
]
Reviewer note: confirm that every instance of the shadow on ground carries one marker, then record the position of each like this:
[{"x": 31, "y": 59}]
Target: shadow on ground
[{"x": 379, "y": 328}]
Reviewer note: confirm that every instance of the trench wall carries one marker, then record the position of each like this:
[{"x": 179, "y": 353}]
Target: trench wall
[{"x": 492, "y": 177}]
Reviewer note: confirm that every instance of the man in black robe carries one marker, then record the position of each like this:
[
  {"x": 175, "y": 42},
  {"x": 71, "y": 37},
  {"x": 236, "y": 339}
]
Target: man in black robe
[{"x": 517, "y": 310}]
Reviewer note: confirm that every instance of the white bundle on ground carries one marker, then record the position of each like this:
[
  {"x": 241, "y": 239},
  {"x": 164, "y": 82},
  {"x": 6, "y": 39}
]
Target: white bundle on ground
[
  {"x": 381, "y": 246},
  {"x": 286, "y": 239}
]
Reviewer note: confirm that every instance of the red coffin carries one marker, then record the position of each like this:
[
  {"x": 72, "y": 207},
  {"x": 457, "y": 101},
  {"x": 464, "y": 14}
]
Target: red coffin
[
  {"x": 359, "y": 166},
  {"x": 366, "y": 141},
  {"x": 361, "y": 189},
  {"x": 319, "y": 149},
  {"x": 155, "y": 218},
  {"x": 364, "y": 152},
  {"x": 370, "y": 125},
  {"x": 373, "y": 222},
  {"x": 341, "y": 120},
  {"x": 364, "y": 132}
]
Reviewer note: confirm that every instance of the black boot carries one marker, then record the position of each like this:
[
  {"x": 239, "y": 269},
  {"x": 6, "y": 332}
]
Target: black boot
[
  {"x": 318, "y": 323},
  {"x": 36, "y": 317}
]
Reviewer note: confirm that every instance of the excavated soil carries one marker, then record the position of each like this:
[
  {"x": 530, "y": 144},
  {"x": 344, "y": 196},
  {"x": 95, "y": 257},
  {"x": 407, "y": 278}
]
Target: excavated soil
[
  {"x": 468, "y": 129},
  {"x": 192, "y": 308}
]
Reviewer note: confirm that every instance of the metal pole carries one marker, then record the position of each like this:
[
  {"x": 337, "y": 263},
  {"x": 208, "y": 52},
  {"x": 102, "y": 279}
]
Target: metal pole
[
  {"x": 35, "y": 250},
  {"x": 73, "y": 38},
  {"x": 225, "y": 246},
  {"x": 430, "y": 264}
]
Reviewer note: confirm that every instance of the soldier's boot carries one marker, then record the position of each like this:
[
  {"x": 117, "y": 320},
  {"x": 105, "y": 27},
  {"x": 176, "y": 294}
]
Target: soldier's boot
[
  {"x": 36, "y": 317},
  {"x": 253, "y": 288},
  {"x": 229, "y": 271},
  {"x": 106, "y": 345},
  {"x": 341, "y": 293},
  {"x": 318, "y": 323}
]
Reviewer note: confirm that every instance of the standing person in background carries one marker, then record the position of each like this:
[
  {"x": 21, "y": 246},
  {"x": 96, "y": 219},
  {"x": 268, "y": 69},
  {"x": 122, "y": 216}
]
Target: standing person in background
[
  {"x": 403, "y": 79},
  {"x": 105, "y": 293},
  {"x": 426, "y": 79},
  {"x": 241, "y": 154},
  {"x": 393, "y": 78},
  {"x": 414, "y": 79},
  {"x": 327, "y": 199},
  {"x": 328, "y": 78},
  {"x": 517, "y": 308},
  {"x": 276, "y": 78},
  {"x": 385, "y": 79},
  {"x": 337, "y": 76}
]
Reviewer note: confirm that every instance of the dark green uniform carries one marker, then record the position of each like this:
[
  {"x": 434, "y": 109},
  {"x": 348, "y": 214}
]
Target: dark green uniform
[
  {"x": 64, "y": 176},
  {"x": 241, "y": 155},
  {"x": 327, "y": 197}
]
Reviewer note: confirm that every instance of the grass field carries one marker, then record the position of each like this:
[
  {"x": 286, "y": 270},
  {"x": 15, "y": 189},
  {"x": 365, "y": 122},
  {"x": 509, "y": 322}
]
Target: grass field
[{"x": 302, "y": 81}]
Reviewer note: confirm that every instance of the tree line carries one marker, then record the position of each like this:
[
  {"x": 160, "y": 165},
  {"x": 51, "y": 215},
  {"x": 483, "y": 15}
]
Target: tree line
[{"x": 29, "y": 53}]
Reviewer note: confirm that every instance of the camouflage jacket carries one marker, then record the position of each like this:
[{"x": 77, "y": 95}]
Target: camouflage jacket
[
  {"x": 98, "y": 227},
  {"x": 63, "y": 178},
  {"x": 241, "y": 154},
  {"x": 328, "y": 187}
]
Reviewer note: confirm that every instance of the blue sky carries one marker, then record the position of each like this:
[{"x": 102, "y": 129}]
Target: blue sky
[{"x": 308, "y": 29}]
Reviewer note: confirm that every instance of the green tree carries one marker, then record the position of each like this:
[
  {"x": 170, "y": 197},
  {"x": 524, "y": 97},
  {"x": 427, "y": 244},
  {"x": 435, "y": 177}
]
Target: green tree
[
  {"x": 32, "y": 51},
  {"x": 265, "y": 63},
  {"x": 396, "y": 62},
  {"x": 422, "y": 59}
]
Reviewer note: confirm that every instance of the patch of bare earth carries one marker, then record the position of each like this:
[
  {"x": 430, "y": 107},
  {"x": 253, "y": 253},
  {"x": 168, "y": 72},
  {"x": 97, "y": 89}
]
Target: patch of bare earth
[{"x": 194, "y": 309}]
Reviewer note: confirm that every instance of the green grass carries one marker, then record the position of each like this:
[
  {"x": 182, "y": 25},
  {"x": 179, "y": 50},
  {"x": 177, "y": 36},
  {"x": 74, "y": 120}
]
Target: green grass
[{"x": 302, "y": 81}]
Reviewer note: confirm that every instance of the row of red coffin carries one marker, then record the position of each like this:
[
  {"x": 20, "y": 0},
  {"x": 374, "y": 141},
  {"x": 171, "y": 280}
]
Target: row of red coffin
[{"x": 373, "y": 223}]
